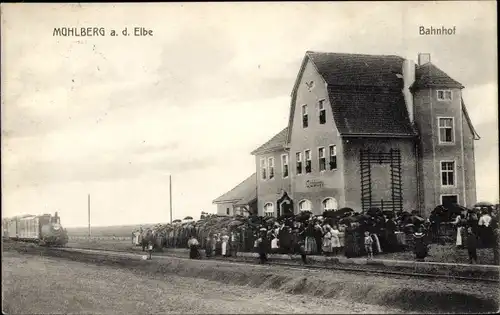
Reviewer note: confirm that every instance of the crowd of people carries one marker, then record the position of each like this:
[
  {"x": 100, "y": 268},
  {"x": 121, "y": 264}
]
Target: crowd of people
[
  {"x": 477, "y": 229},
  {"x": 342, "y": 232}
]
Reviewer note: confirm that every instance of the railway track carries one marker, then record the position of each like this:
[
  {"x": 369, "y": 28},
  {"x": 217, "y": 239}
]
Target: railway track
[{"x": 309, "y": 267}]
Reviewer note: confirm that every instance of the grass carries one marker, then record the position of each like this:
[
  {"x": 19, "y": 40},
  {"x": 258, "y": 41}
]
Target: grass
[{"x": 445, "y": 254}]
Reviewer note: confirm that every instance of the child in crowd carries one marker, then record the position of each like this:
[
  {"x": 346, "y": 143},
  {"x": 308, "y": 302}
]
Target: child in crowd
[{"x": 368, "y": 245}]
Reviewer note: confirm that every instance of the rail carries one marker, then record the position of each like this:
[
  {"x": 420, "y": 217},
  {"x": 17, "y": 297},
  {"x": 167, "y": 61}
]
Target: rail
[{"x": 357, "y": 269}]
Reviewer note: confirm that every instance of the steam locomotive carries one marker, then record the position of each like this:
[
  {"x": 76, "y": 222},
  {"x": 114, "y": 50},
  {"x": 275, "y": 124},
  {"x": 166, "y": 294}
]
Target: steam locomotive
[{"x": 44, "y": 229}]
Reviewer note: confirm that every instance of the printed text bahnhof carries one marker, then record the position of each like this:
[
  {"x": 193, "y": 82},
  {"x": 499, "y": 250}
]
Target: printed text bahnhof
[{"x": 100, "y": 31}]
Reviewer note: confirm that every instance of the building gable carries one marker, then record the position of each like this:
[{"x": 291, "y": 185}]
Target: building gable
[{"x": 364, "y": 91}]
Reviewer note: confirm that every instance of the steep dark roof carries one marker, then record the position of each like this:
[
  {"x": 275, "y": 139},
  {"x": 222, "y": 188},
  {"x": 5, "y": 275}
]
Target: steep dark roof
[
  {"x": 365, "y": 93},
  {"x": 244, "y": 190},
  {"x": 430, "y": 76},
  {"x": 340, "y": 69},
  {"x": 276, "y": 142},
  {"x": 364, "y": 113}
]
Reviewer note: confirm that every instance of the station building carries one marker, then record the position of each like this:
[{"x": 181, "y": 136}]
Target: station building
[{"x": 364, "y": 131}]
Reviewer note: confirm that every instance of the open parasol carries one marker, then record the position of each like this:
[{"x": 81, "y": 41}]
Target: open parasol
[
  {"x": 344, "y": 211},
  {"x": 484, "y": 204}
]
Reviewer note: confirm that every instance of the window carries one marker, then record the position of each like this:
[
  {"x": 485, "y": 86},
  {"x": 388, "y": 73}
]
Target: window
[
  {"x": 271, "y": 167},
  {"x": 305, "y": 121},
  {"x": 269, "y": 209},
  {"x": 447, "y": 173},
  {"x": 284, "y": 165},
  {"x": 299, "y": 162},
  {"x": 227, "y": 211},
  {"x": 444, "y": 95},
  {"x": 307, "y": 153},
  {"x": 446, "y": 132},
  {"x": 448, "y": 200},
  {"x": 321, "y": 159},
  {"x": 330, "y": 204},
  {"x": 305, "y": 205},
  {"x": 322, "y": 112},
  {"x": 333, "y": 157},
  {"x": 263, "y": 169}
]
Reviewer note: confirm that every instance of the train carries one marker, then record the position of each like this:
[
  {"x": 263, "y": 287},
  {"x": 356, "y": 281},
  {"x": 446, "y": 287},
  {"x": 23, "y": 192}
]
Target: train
[{"x": 45, "y": 229}]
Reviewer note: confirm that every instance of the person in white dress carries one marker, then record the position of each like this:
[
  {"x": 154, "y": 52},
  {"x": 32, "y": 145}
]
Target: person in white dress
[
  {"x": 275, "y": 244},
  {"x": 327, "y": 242},
  {"x": 224, "y": 249},
  {"x": 335, "y": 239},
  {"x": 456, "y": 223}
]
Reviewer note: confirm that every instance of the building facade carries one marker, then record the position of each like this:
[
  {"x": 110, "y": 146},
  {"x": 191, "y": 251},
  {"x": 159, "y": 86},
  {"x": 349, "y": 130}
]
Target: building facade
[{"x": 368, "y": 131}]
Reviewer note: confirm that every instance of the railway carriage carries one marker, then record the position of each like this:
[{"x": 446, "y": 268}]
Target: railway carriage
[{"x": 43, "y": 229}]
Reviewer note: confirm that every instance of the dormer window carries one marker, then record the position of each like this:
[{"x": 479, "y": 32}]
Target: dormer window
[
  {"x": 322, "y": 112},
  {"x": 305, "y": 119},
  {"x": 444, "y": 95}
]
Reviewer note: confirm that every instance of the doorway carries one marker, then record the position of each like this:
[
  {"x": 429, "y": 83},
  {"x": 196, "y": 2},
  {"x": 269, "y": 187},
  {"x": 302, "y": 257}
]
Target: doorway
[{"x": 448, "y": 200}]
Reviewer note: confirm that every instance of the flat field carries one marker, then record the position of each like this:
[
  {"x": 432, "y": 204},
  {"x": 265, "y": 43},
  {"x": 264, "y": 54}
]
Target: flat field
[{"x": 41, "y": 285}]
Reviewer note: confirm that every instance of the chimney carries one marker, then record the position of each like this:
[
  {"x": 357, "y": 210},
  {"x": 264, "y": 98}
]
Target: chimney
[
  {"x": 408, "y": 79},
  {"x": 424, "y": 58}
]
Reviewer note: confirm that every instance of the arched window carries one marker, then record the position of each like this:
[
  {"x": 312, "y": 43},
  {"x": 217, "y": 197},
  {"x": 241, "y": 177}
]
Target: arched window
[
  {"x": 269, "y": 209},
  {"x": 330, "y": 204},
  {"x": 305, "y": 205}
]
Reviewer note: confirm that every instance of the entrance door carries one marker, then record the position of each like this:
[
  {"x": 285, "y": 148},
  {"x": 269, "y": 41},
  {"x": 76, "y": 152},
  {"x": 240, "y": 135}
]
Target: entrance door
[
  {"x": 448, "y": 200},
  {"x": 285, "y": 208}
]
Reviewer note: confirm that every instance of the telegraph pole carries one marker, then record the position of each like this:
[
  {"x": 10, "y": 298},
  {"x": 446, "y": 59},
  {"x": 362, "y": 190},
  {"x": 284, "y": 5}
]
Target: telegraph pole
[
  {"x": 88, "y": 205},
  {"x": 170, "y": 186}
]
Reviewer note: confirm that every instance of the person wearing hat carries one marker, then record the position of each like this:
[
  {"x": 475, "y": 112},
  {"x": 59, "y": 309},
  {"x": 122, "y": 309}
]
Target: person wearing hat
[
  {"x": 485, "y": 230},
  {"x": 193, "y": 245},
  {"x": 262, "y": 246},
  {"x": 208, "y": 246},
  {"x": 472, "y": 245}
]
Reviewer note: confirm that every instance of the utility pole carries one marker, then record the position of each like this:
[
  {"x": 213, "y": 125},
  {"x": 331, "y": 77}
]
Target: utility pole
[
  {"x": 170, "y": 186},
  {"x": 88, "y": 204}
]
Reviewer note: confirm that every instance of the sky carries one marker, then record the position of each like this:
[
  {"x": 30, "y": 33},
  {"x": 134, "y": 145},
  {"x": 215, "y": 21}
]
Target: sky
[{"x": 114, "y": 117}]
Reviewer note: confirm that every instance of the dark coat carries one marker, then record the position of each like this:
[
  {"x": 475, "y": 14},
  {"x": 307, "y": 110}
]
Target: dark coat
[
  {"x": 420, "y": 246},
  {"x": 471, "y": 242},
  {"x": 285, "y": 239}
]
